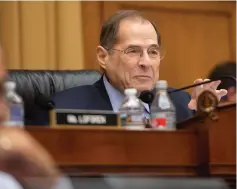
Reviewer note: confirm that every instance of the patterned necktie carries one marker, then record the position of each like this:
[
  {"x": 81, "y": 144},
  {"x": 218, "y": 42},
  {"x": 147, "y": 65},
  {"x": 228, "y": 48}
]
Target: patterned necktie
[{"x": 146, "y": 112}]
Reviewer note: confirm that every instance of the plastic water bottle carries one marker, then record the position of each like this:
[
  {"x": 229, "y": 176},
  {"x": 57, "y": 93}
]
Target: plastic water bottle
[
  {"x": 132, "y": 111},
  {"x": 163, "y": 112},
  {"x": 15, "y": 104}
]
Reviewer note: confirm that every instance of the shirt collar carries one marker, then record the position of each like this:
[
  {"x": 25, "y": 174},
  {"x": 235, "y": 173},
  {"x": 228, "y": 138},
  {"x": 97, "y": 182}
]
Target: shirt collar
[{"x": 115, "y": 96}]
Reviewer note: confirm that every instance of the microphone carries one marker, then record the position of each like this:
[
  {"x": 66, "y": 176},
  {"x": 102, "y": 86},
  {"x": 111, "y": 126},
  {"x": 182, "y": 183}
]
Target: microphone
[
  {"x": 146, "y": 96},
  {"x": 44, "y": 102},
  {"x": 205, "y": 82}
]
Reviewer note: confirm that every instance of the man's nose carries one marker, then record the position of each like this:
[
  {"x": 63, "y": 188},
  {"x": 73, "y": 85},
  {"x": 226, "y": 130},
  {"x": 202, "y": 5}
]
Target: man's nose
[{"x": 145, "y": 60}]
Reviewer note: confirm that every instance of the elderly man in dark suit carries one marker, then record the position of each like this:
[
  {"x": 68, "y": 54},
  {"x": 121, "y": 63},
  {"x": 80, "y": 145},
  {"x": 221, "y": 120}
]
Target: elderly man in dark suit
[{"x": 129, "y": 55}]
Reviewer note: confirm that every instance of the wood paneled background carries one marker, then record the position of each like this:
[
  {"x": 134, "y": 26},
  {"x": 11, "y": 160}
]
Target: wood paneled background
[
  {"x": 64, "y": 35},
  {"x": 42, "y": 35}
]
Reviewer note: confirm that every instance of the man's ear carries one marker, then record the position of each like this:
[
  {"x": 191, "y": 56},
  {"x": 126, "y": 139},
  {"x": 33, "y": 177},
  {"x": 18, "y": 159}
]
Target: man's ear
[{"x": 102, "y": 56}]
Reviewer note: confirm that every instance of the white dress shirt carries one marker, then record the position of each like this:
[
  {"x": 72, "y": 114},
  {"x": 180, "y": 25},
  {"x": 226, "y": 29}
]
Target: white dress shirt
[
  {"x": 8, "y": 182},
  {"x": 116, "y": 97}
]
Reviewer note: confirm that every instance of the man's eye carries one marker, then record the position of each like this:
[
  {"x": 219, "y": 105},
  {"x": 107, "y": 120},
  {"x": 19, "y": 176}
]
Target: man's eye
[
  {"x": 131, "y": 51},
  {"x": 153, "y": 52}
]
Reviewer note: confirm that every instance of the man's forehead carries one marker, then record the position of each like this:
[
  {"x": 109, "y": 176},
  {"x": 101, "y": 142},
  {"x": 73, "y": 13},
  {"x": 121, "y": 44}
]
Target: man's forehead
[
  {"x": 135, "y": 32},
  {"x": 144, "y": 43}
]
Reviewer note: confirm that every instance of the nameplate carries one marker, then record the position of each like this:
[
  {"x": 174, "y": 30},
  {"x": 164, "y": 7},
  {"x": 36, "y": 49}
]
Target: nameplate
[{"x": 68, "y": 117}]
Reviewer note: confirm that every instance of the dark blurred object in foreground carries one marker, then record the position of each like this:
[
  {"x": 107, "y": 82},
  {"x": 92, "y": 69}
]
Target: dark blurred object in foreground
[{"x": 142, "y": 182}]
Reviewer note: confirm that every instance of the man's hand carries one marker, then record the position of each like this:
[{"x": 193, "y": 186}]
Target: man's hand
[
  {"x": 25, "y": 159},
  {"x": 199, "y": 89}
]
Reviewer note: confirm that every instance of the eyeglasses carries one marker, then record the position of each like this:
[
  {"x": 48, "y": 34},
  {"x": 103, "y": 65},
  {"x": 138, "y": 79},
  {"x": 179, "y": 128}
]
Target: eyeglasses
[{"x": 136, "y": 52}]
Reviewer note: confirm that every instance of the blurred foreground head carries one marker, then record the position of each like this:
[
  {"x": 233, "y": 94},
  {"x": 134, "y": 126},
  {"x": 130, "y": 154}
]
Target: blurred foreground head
[
  {"x": 3, "y": 108},
  {"x": 21, "y": 155}
]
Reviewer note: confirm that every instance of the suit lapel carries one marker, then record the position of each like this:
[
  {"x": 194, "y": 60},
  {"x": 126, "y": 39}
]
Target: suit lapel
[{"x": 104, "y": 102}]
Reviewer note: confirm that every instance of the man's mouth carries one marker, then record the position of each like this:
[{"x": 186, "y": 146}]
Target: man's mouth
[{"x": 142, "y": 77}]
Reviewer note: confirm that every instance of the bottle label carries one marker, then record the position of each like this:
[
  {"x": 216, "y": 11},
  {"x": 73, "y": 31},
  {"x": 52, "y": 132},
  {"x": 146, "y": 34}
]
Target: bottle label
[
  {"x": 129, "y": 120},
  {"x": 16, "y": 116},
  {"x": 163, "y": 120},
  {"x": 159, "y": 120}
]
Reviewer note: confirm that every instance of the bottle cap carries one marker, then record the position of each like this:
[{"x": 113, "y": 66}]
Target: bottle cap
[
  {"x": 162, "y": 84},
  {"x": 10, "y": 85},
  {"x": 130, "y": 91}
]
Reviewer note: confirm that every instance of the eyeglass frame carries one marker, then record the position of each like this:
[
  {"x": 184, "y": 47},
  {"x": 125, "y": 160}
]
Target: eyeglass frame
[{"x": 142, "y": 50}]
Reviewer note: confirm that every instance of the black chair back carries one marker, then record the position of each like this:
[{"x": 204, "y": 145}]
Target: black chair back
[{"x": 36, "y": 87}]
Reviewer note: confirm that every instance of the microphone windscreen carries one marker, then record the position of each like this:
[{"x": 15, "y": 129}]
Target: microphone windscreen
[
  {"x": 146, "y": 96},
  {"x": 44, "y": 102}
]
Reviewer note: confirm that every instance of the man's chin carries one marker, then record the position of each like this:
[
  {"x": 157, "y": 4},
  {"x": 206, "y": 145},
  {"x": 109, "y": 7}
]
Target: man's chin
[{"x": 142, "y": 84}]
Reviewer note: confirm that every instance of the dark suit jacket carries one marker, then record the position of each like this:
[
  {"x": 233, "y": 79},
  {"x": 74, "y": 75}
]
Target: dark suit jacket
[{"x": 95, "y": 97}]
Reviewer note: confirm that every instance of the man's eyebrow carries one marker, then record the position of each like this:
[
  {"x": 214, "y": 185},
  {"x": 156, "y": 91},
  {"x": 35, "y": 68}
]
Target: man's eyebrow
[
  {"x": 154, "y": 45},
  {"x": 150, "y": 46},
  {"x": 133, "y": 46}
]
